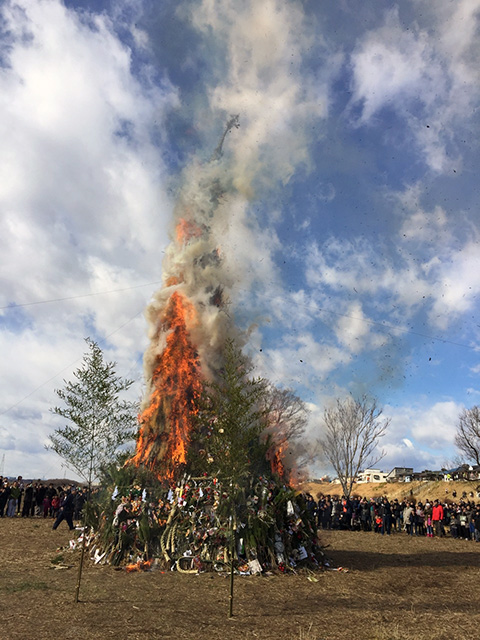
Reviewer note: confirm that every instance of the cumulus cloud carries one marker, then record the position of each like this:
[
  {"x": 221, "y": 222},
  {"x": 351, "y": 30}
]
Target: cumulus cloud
[
  {"x": 427, "y": 74},
  {"x": 82, "y": 205},
  {"x": 431, "y": 426}
]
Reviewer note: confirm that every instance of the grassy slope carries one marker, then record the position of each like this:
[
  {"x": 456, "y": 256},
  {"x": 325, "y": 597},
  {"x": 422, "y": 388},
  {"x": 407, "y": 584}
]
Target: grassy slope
[{"x": 419, "y": 490}]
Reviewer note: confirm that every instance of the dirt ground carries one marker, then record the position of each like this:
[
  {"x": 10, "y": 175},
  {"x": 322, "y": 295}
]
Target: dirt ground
[{"x": 395, "y": 588}]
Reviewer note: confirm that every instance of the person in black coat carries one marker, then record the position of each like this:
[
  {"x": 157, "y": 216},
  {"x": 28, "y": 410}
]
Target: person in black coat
[
  {"x": 27, "y": 501},
  {"x": 67, "y": 506},
  {"x": 4, "y": 494}
]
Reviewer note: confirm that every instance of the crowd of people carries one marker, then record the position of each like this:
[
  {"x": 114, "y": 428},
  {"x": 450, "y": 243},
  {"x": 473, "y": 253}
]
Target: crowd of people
[
  {"x": 457, "y": 518},
  {"x": 39, "y": 499}
]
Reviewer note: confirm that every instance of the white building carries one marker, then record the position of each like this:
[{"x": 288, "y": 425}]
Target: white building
[{"x": 372, "y": 475}]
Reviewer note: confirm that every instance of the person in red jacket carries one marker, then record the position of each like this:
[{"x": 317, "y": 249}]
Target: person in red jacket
[{"x": 437, "y": 517}]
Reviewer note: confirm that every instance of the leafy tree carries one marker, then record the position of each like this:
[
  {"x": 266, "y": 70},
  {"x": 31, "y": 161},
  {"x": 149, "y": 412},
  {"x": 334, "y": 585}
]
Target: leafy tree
[
  {"x": 467, "y": 438},
  {"x": 353, "y": 429},
  {"x": 231, "y": 420},
  {"x": 99, "y": 421}
]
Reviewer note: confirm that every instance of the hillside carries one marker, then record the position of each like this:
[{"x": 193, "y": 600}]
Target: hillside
[{"x": 418, "y": 490}]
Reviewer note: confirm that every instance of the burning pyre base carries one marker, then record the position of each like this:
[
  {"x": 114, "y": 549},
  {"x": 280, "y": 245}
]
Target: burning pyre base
[{"x": 193, "y": 528}]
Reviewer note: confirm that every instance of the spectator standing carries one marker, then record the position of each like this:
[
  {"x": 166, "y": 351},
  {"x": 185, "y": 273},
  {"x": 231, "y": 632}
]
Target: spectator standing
[
  {"x": 454, "y": 524},
  {"x": 21, "y": 486},
  {"x": 13, "y": 500},
  {"x": 46, "y": 505},
  {"x": 476, "y": 522},
  {"x": 39, "y": 496},
  {"x": 420, "y": 513},
  {"x": 27, "y": 500},
  {"x": 327, "y": 514},
  {"x": 51, "y": 491},
  {"x": 464, "y": 528},
  {"x": 437, "y": 517},
  {"x": 386, "y": 516},
  {"x": 80, "y": 499},
  {"x": 4, "y": 494},
  {"x": 55, "y": 506},
  {"x": 407, "y": 523}
]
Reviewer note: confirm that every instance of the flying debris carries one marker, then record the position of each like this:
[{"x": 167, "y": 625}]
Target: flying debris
[{"x": 233, "y": 122}]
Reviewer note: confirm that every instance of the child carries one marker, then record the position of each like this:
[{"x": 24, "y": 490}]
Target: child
[
  {"x": 55, "y": 506},
  {"x": 429, "y": 524},
  {"x": 46, "y": 506}
]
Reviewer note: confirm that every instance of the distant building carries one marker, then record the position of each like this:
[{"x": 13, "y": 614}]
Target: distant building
[
  {"x": 372, "y": 475},
  {"x": 400, "y": 474}
]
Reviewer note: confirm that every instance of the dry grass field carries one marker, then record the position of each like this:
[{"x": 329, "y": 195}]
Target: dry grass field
[{"x": 395, "y": 588}]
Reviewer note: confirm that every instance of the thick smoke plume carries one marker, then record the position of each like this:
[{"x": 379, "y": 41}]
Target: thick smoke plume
[
  {"x": 189, "y": 318},
  {"x": 215, "y": 249}
]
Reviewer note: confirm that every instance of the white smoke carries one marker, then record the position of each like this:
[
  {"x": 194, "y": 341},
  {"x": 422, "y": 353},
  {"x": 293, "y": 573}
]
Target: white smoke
[{"x": 263, "y": 45}]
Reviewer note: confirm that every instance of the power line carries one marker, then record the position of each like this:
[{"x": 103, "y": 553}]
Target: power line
[
  {"x": 67, "y": 367},
  {"x": 383, "y": 325},
  {"x": 83, "y": 295},
  {"x": 335, "y": 313}
]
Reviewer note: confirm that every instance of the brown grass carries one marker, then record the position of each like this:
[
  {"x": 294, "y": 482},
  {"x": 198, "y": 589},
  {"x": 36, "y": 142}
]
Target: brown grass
[
  {"x": 396, "y": 588},
  {"x": 418, "y": 490}
]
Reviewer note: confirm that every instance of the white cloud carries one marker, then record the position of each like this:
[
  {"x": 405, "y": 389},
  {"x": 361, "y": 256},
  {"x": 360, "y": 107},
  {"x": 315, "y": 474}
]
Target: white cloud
[
  {"x": 426, "y": 74},
  {"x": 82, "y": 208},
  {"x": 80, "y": 173},
  {"x": 301, "y": 361},
  {"x": 432, "y": 427},
  {"x": 352, "y": 329},
  {"x": 458, "y": 283}
]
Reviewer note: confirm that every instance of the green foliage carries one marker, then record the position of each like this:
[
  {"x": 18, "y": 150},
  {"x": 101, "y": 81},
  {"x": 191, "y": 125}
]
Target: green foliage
[
  {"x": 99, "y": 421},
  {"x": 230, "y": 422}
]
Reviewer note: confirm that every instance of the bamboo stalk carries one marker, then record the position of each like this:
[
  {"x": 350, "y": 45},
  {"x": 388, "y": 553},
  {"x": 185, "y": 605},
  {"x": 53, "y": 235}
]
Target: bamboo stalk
[
  {"x": 232, "y": 574},
  {"x": 80, "y": 566}
]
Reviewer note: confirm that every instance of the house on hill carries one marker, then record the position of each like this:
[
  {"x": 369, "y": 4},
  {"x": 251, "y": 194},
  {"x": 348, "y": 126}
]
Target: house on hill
[
  {"x": 400, "y": 474},
  {"x": 372, "y": 475}
]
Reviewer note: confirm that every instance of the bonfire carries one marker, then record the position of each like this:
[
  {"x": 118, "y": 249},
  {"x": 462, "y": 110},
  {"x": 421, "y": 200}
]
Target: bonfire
[{"x": 209, "y": 484}]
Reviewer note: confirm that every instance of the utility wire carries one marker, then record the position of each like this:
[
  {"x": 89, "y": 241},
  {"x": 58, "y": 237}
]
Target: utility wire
[
  {"x": 67, "y": 367},
  {"x": 265, "y": 295},
  {"x": 383, "y": 325},
  {"x": 83, "y": 295}
]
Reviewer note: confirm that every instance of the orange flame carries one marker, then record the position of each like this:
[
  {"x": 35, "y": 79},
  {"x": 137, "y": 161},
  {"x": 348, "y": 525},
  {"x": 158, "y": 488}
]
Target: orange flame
[
  {"x": 276, "y": 457},
  {"x": 186, "y": 230},
  {"x": 140, "y": 565},
  {"x": 167, "y": 422}
]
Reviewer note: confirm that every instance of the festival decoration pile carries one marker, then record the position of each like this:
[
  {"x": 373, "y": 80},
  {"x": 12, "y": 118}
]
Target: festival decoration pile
[{"x": 191, "y": 529}]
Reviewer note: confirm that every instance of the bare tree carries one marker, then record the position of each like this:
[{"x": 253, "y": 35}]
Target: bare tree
[
  {"x": 287, "y": 419},
  {"x": 353, "y": 429},
  {"x": 287, "y": 413},
  {"x": 467, "y": 438}
]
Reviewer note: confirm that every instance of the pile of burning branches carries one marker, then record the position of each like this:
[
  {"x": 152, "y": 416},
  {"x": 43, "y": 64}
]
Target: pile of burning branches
[{"x": 201, "y": 525}]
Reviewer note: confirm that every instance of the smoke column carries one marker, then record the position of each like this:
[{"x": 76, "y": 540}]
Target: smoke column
[
  {"x": 217, "y": 243},
  {"x": 189, "y": 317}
]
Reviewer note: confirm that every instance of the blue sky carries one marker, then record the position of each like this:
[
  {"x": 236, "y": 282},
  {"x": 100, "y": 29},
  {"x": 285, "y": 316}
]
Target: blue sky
[{"x": 353, "y": 242}]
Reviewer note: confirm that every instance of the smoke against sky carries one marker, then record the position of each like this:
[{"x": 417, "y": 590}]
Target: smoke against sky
[{"x": 351, "y": 247}]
